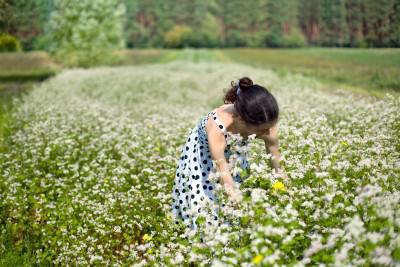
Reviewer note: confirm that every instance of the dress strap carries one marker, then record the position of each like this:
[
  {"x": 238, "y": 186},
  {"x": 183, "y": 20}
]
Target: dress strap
[{"x": 219, "y": 123}]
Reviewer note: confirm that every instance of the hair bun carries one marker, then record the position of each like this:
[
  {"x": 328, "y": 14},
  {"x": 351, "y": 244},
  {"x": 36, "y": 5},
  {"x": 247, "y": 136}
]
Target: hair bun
[{"x": 245, "y": 82}]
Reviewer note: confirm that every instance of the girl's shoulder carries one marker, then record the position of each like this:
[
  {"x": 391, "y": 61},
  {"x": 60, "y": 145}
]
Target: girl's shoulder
[{"x": 224, "y": 114}]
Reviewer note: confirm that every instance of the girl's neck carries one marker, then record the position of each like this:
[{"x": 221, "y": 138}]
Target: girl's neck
[{"x": 233, "y": 124}]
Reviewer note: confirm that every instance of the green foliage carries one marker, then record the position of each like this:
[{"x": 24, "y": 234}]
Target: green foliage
[
  {"x": 184, "y": 36},
  {"x": 273, "y": 39},
  {"x": 209, "y": 32},
  {"x": 25, "y": 19},
  {"x": 333, "y": 23},
  {"x": 5, "y": 15},
  {"x": 9, "y": 43},
  {"x": 85, "y": 32},
  {"x": 178, "y": 36},
  {"x": 257, "y": 182},
  {"x": 293, "y": 40},
  {"x": 283, "y": 27},
  {"x": 394, "y": 30},
  {"x": 235, "y": 23},
  {"x": 377, "y": 22},
  {"x": 354, "y": 16}
]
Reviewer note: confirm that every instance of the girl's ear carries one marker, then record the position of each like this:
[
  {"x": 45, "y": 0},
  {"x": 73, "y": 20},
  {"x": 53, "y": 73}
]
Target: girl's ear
[
  {"x": 242, "y": 121},
  {"x": 240, "y": 118}
]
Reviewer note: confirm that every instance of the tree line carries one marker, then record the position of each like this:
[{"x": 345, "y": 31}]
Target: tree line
[{"x": 216, "y": 23}]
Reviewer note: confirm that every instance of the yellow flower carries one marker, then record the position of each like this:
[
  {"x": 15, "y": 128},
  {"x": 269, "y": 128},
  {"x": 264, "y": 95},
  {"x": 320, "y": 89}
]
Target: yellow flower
[
  {"x": 146, "y": 237},
  {"x": 257, "y": 259},
  {"x": 344, "y": 143},
  {"x": 278, "y": 186}
]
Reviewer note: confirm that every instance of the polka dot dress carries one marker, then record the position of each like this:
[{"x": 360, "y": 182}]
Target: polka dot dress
[{"x": 192, "y": 188}]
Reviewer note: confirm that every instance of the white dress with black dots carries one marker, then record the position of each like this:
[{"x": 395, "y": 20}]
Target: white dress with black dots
[{"x": 192, "y": 185}]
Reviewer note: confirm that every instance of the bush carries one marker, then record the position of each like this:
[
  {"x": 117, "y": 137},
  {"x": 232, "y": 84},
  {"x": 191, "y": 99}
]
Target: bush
[
  {"x": 236, "y": 39},
  {"x": 87, "y": 58},
  {"x": 205, "y": 35},
  {"x": 9, "y": 43},
  {"x": 255, "y": 39},
  {"x": 294, "y": 39},
  {"x": 200, "y": 39},
  {"x": 178, "y": 36},
  {"x": 273, "y": 39}
]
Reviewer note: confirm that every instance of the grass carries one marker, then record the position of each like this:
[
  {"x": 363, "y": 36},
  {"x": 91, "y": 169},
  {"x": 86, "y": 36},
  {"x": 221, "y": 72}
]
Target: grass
[
  {"x": 370, "y": 71},
  {"x": 149, "y": 56},
  {"x": 26, "y": 66},
  {"x": 8, "y": 92},
  {"x": 146, "y": 56},
  {"x": 365, "y": 71},
  {"x": 18, "y": 73}
]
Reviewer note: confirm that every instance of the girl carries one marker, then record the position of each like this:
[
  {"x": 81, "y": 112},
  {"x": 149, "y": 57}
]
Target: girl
[{"x": 249, "y": 109}]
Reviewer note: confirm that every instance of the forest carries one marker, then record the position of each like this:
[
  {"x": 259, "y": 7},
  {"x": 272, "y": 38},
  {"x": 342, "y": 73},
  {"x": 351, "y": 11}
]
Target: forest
[{"x": 216, "y": 23}]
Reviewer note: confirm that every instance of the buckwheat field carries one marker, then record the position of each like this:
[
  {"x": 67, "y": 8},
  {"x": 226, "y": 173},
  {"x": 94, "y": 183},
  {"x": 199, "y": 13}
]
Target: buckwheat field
[{"x": 88, "y": 168}]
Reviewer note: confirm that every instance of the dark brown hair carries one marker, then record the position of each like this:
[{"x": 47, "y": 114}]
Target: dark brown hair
[{"x": 254, "y": 103}]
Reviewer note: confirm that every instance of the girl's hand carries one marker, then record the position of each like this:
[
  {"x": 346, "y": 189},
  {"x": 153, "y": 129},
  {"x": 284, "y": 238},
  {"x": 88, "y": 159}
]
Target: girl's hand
[
  {"x": 282, "y": 173},
  {"x": 235, "y": 195}
]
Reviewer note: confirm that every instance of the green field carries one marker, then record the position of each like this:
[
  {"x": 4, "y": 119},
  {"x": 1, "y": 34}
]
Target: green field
[
  {"x": 371, "y": 71},
  {"x": 88, "y": 160},
  {"x": 364, "y": 71},
  {"x": 374, "y": 71}
]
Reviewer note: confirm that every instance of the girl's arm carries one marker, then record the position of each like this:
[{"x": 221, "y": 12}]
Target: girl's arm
[
  {"x": 272, "y": 146},
  {"x": 216, "y": 143}
]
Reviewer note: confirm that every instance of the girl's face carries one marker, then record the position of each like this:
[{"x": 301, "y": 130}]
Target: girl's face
[
  {"x": 247, "y": 129},
  {"x": 260, "y": 130}
]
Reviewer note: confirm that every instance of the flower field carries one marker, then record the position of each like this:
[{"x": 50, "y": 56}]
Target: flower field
[{"x": 87, "y": 170}]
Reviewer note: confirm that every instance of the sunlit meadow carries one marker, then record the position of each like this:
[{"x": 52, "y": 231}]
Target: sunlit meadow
[{"x": 87, "y": 173}]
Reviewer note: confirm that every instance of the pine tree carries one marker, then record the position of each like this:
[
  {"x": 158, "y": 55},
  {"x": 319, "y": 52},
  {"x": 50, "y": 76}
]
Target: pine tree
[
  {"x": 394, "y": 31},
  {"x": 235, "y": 18},
  {"x": 333, "y": 23},
  {"x": 354, "y": 17},
  {"x": 283, "y": 24},
  {"x": 309, "y": 17},
  {"x": 377, "y": 21}
]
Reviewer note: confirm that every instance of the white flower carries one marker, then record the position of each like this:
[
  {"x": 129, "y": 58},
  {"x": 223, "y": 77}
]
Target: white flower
[
  {"x": 258, "y": 194},
  {"x": 355, "y": 227},
  {"x": 342, "y": 254},
  {"x": 374, "y": 237},
  {"x": 178, "y": 258},
  {"x": 364, "y": 163},
  {"x": 314, "y": 248},
  {"x": 117, "y": 229},
  {"x": 94, "y": 258},
  {"x": 217, "y": 263},
  {"x": 382, "y": 256}
]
